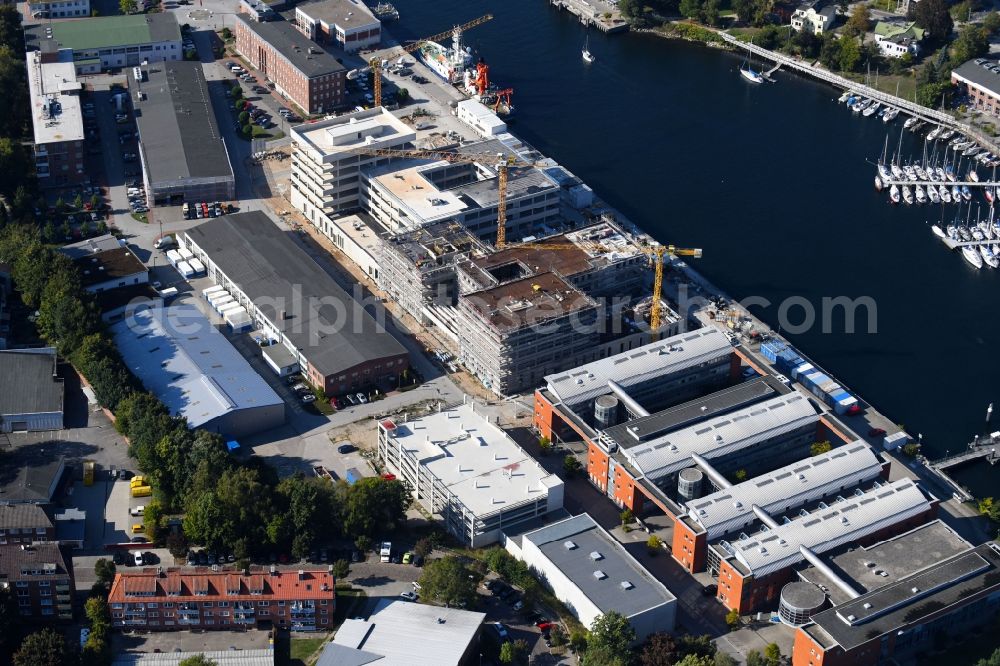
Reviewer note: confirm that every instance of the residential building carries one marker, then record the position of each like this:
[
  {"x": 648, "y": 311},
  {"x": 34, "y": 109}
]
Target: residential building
[
  {"x": 106, "y": 270},
  {"x": 814, "y": 18},
  {"x": 896, "y": 40},
  {"x": 326, "y": 172},
  {"x": 194, "y": 370},
  {"x": 944, "y": 596},
  {"x": 752, "y": 570},
  {"x": 90, "y": 246},
  {"x": 231, "y": 657},
  {"x": 345, "y": 24},
  {"x": 58, "y": 8},
  {"x": 477, "y": 116},
  {"x": 108, "y": 42},
  {"x": 41, "y": 578},
  {"x": 183, "y": 154},
  {"x": 259, "y": 10},
  {"x": 398, "y": 633},
  {"x": 56, "y": 118},
  {"x": 199, "y": 598},
  {"x": 25, "y": 524},
  {"x": 731, "y": 509},
  {"x": 31, "y": 391},
  {"x": 592, "y": 574},
  {"x": 34, "y": 481},
  {"x": 468, "y": 472},
  {"x": 336, "y": 342},
  {"x": 305, "y": 74},
  {"x": 980, "y": 84}
]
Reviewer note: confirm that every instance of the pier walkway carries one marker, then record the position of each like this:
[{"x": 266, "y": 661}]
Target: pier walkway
[{"x": 987, "y": 451}]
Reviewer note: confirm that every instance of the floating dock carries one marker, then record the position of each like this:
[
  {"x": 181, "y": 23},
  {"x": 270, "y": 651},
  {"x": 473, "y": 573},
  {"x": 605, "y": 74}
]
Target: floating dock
[{"x": 602, "y": 15}]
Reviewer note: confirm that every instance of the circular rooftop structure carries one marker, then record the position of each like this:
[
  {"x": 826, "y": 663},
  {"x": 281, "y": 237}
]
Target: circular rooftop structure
[
  {"x": 799, "y": 601},
  {"x": 689, "y": 483}
]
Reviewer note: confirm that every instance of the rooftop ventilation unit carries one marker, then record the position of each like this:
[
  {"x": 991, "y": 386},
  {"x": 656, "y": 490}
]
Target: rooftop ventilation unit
[
  {"x": 569, "y": 545},
  {"x": 626, "y": 585},
  {"x": 594, "y": 555},
  {"x": 600, "y": 575}
]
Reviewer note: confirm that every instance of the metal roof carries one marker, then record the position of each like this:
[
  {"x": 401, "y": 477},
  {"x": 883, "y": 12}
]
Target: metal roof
[
  {"x": 407, "y": 634},
  {"x": 909, "y": 601},
  {"x": 28, "y": 382},
  {"x": 579, "y": 565},
  {"x": 90, "y": 246},
  {"x": 298, "y": 50},
  {"x": 644, "y": 364},
  {"x": 723, "y": 511},
  {"x": 980, "y": 76},
  {"x": 830, "y": 526},
  {"x": 258, "y": 657},
  {"x": 103, "y": 32},
  {"x": 184, "y": 361},
  {"x": 343, "y": 14},
  {"x": 332, "y": 330},
  {"x": 177, "y": 127},
  {"x": 725, "y": 434}
]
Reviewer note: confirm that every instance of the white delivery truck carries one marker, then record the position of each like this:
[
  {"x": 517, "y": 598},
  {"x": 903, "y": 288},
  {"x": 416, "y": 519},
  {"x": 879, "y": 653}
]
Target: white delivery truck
[
  {"x": 385, "y": 552},
  {"x": 184, "y": 268}
]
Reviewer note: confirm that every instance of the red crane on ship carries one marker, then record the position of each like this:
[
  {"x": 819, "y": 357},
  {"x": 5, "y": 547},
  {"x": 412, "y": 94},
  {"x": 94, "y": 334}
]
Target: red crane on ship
[
  {"x": 503, "y": 97},
  {"x": 482, "y": 80}
]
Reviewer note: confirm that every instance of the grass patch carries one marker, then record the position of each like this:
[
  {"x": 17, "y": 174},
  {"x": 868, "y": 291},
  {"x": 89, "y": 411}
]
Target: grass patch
[
  {"x": 300, "y": 650},
  {"x": 323, "y": 407},
  {"x": 140, "y": 217},
  {"x": 887, "y": 83},
  {"x": 690, "y": 32}
]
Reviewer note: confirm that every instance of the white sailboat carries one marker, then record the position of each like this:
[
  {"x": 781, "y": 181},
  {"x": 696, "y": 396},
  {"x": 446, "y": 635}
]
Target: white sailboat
[
  {"x": 587, "y": 55},
  {"x": 972, "y": 256},
  {"x": 933, "y": 195},
  {"x": 919, "y": 192},
  {"x": 894, "y": 193},
  {"x": 749, "y": 73},
  {"x": 937, "y": 231}
]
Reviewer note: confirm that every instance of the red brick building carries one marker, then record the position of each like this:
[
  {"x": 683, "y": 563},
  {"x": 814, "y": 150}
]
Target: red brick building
[
  {"x": 41, "y": 578},
  {"x": 200, "y": 598},
  {"x": 304, "y": 73}
]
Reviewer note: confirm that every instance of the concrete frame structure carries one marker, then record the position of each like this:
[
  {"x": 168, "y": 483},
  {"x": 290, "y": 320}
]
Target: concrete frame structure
[
  {"x": 338, "y": 344},
  {"x": 183, "y": 154},
  {"x": 326, "y": 175},
  {"x": 56, "y": 118},
  {"x": 896, "y": 622},
  {"x": 107, "y": 42},
  {"x": 753, "y": 570},
  {"x": 31, "y": 391},
  {"x": 468, "y": 472},
  {"x": 194, "y": 370},
  {"x": 42, "y": 579},
  {"x": 592, "y": 573},
  {"x": 731, "y": 509},
  {"x": 199, "y": 598},
  {"x": 307, "y": 75},
  {"x": 346, "y": 24}
]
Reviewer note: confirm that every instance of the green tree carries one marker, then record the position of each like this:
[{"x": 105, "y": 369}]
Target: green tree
[
  {"x": 626, "y": 517},
  {"x": 829, "y": 52},
  {"x": 604, "y": 655},
  {"x": 571, "y": 465},
  {"x": 341, "y": 569},
  {"x": 701, "y": 646},
  {"x": 723, "y": 659},
  {"x": 247, "y": 131},
  {"x": 127, "y": 6},
  {"x": 755, "y": 658},
  {"x": 819, "y": 448},
  {"x": 104, "y": 571},
  {"x": 972, "y": 42},
  {"x": 992, "y": 660},
  {"x": 690, "y": 8},
  {"x": 236, "y": 91},
  {"x": 78, "y": 202},
  {"x": 363, "y": 543},
  {"x": 612, "y": 630},
  {"x": 859, "y": 21},
  {"x": 198, "y": 660},
  {"x": 177, "y": 543},
  {"x": 933, "y": 16},
  {"x": 911, "y": 449},
  {"x": 244, "y": 118},
  {"x": 931, "y": 95},
  {"x": 733, "y": 618},
  {"x": 992, "y": 22},
  {"x": 507, "y": 654},
  {"x": 152, "y": 519},
  {"x": 545, "y": 444},
  {"x": 660, "y": 650},
  {"x": 403, "y": 95},
  {"x": 374, "y": 505},
  {"x": 654, "y": 544},
  {"x": 772, "y": 654},
  {"x": 740, "y": 475},
  {"x": 10, "y": 618},
  {"x": 449, "y": 581},
  {"x": 227, "y": 34},
  {"x": 990, "y": 508},
  {"x": 43, "y": 648},
  {"x": 850, "y": 53},
  {"x": 64, "y": 318},
  {"x": 423, "y": 547}
]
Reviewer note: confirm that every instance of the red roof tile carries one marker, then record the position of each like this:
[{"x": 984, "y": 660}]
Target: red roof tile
[{"x": 148, "y": 584}]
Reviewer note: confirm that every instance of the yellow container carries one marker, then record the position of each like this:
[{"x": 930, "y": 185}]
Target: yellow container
[
  {"x": 142, "y": 491},
  {"x": 138, "y": 481},
  {"x": 137, "y": 528}
]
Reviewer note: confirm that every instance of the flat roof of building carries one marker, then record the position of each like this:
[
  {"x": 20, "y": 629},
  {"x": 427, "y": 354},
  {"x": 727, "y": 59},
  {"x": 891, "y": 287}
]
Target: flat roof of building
[
  {"x": 878, "y": 565},
  {"x": 183, "y": 360},
  {"x": 107, "y": 265},
  {"x": 528, "y": 301},
  {"x": 345, "y": 14},
  {"x": 177, "y": 127},
  {"x": 412, "y": 188},
  {"x": 908, "y": 601},
  {"x": 304, "y": 54},
  {"x": 255, "y": 657},
  {"x": 673, "y": 354},
  {"x": 54, "y": 94},
  {"x": 829, "y": 526},
  {"x": 980, "y": 76},
  {"x": 433, "y": 246},
  {"x": 375, "y": 128},
  {"x": 725, "y": 434},
  {"x": 475, "y": 459},
  {"x": 399, "y": 633},
  {"x": 104, "y": 32},
  {"x": 644, "y": 428},
  {"x": 481, "y": 113},
  {"x": 27, "y": 475},
  {"x": 813, "y": 478},
  {"x": 626, "y": 587},
  {"x": 90, "y": 246},
  {"x": 28, "y": 382},
  {"x": 332, "y": 330}
]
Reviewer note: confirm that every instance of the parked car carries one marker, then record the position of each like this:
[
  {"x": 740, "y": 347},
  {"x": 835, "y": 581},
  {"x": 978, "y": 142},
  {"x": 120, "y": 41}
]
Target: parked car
[
  {"x": 500, "y": 630},
  {"x": 346, "y": 448},
  {"x": 137, "y": 559},
  {"x": 418, "y": 560},
  {"x": 308, "y": 398},
  {"x": 876, "y": 432},
  {"x": 361, "y": 398},
  {"x": 118, "y": 557}
]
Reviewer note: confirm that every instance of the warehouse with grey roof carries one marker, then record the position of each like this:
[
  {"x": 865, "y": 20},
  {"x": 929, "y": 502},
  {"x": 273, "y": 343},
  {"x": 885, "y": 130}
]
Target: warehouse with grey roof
[
  {"x": 338, "y": 343},
  {"x": 183, "y": 153},
  {"x": 31, "y": 394}
]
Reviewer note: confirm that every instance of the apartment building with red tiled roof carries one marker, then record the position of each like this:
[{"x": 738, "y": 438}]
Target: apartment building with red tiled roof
[{"x": 160, "y": 599}]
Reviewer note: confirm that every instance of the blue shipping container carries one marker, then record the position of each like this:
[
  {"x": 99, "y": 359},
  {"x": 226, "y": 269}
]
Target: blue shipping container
[
  {"x": 771, "y": 349},
  {"x": 803, "y": 369},
  {"x": 352, "y": 476},
  {"x": 841, "y": 395}
]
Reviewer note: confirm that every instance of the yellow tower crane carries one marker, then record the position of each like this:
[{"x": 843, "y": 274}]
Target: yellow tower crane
[
  {"x": 376, "y": 61},
  {"x": 499, "y": 161}
]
